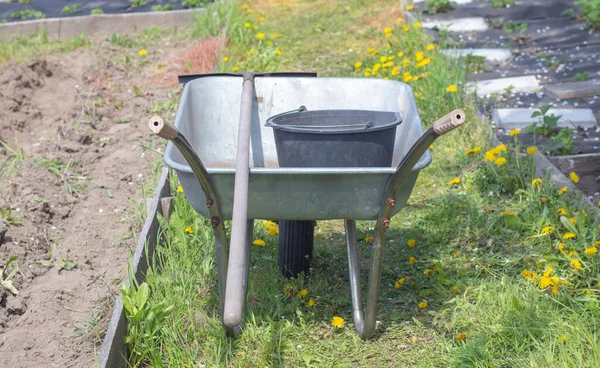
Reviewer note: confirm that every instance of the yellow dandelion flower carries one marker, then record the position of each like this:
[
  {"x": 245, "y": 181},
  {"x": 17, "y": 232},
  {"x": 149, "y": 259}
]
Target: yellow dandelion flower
[
  {"x": 267, "y": 224},
  {"x": 189, "y": 230},
  {"x": 526, "y": 274},
  {"x": 357, "y": 65},
  {"x": 302, "y": 293},
  {"x": 591, "y": 251},
  {"x": 427, "y": 272},
  {"x": 310, "y": 302},
  {"x": 337, "y": 322},
  {"x": 563, "y": 338},
  {"x": 473, "y": 150},
  {"x": 430, "y": 47},
  {"x": 417, "y": 25},
  {"x": 536, "y": 181},
  {"x": 406, "y": 77},
  {"x": 399, "y": 283},
  {"x": 225, "y": 59},
  {"x": 454, "y": 181},
  {"x": 400, "y": 54},
  {"x": 143, "y": 52},
  {"x": 515, "y": 132},
  {"x": 547, "y": 230},
  {"x": 461, "y": 337},
  {"x": 273, "y": 230},
  {"x": 454, "y": 288},
  {"x": 451, "y": 88},
  {"x": 409, "y": 7},
  {"x": 388, "y": 30},
  {"x": 508, "y": 213},
  {"x": 415, "y": 78},
  {"x": 490, "y": 156},
  {"x": 259, "y": 242},
  {"x": 247, "y": 24},
  {"x": 250, "y": 11},
  {"x": 260, "y": 35},
  {"x": 500, "y": 161},
  {"x": 179, "y": 189},
  {"x": 368, "y": 239},
  {"x": 235, "y": 68},
  {"x": 371, "y": 50},
  {"x": 532, "y": 150},
  {"x": 419, "y": 56},
  {"x": 412, "y": 260},
  {"x": 561, "y": 210},
  {"x": 569, "y": 235},
  {"x": 411, "y": 243},
  {"x": 561, "y": 245},
  {"x": 400, "y": 20},
  {"x": 573, "y": 220},
  {"x": 423, "y": 305},
  {"x": 574, "y": 177},
  {"x": 261, "y": 19},
  {"x": 278, "y": 52},
  {"x": 576, "y": 264}
]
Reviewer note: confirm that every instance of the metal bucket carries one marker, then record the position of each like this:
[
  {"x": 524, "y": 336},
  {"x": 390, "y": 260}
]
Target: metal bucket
[{"x": 334, "y": 138}]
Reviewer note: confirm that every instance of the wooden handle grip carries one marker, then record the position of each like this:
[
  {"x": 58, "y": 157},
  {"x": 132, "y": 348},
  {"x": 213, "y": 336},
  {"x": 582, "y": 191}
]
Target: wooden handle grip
[
  {"x": 162, "y": 129},
  {"x": 450, "y": 121}
]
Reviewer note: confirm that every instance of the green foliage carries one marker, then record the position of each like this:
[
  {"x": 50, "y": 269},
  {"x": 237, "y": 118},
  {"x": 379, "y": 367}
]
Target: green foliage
[
  {"x": 20, "y": 47},
  {"x": 145, "y": 319},
  {"x": 548, "y": 125},
  {"x": 515, "y": 27},
  {"x": 97, "y": 11},
  {"x": 73, "y": 181},
  {"x": 581, "y": 77},
  {"x": 541, "y": 55},
  {"x": 120, "y": 40},
  {"x": 6, "y": 276},
  {"x": 162, "y": 7},
  {"x": 138, "y": 3},
  {"x": 501, "y": 3},
  {"x": 561, "y": 144},
  {"x": 590, "y": 11},
  {"x": 193, "y": 3},
  {"x": 71, "y": 9},
  {"x": 28, "y": 14},
  {"x": 14, "y": 158},
  {"x": 7, "y": 217},
  {"x": 438, "y": 6}
]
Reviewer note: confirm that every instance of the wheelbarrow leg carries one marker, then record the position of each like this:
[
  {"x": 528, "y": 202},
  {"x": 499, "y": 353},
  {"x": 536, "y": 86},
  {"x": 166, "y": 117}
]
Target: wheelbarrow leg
[{"x": 364, "y": 324}]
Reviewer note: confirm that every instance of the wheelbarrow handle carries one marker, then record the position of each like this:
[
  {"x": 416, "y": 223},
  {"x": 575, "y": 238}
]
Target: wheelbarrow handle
[
  {"x": 169, "y": 132},
  {"x": 365, "y": 323}
]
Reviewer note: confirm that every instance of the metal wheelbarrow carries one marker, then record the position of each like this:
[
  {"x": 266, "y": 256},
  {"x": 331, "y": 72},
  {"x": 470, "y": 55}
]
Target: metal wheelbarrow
[{"x": 243, "y": 182}]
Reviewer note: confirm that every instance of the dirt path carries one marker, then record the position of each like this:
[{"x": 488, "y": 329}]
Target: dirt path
[{"x": 75, "y": 199}]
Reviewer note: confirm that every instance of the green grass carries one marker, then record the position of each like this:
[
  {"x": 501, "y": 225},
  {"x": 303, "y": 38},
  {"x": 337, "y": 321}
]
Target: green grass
[
  {"x": 503, "y": 261},
  {"x": 19, "y": 48}
]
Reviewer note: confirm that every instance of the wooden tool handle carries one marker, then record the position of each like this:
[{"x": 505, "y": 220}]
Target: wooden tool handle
[
  {"x": 450, "y": 121},
  {"x": 162, "y": 129}
]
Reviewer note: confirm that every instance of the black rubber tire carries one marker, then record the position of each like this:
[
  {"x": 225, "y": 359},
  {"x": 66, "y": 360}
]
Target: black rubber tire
[{"x": 296, "y": 241}]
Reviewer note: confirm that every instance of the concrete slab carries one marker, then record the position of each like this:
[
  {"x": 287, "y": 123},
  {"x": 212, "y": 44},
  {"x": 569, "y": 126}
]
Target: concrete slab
[
  {"x": 491, "y": 55},
  {"x": 102, "y": 24},
  {"x": 573, "y": 90},
  {"x": 520, "y": 118},
  {"x": 526, "y": 83},
  {"x": 475, "y": 24}
]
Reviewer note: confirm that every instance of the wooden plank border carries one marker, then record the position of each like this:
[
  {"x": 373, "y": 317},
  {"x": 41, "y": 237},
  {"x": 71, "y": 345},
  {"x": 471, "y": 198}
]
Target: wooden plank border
[{"x": 113, "y": 353}]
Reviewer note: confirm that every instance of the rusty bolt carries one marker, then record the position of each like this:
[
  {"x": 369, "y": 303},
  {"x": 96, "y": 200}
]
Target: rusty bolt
[
  {"x": 386, "y": 223},
  {"x": 392, "y": 202},
  {"x": 215, "y": 221},
  {"x": 209, "y": 202}
]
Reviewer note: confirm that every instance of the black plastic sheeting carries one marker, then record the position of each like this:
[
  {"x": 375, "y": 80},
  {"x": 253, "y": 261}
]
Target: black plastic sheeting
[{"x": 54, "y": 8}]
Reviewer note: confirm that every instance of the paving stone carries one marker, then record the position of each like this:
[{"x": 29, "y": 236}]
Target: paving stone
[
  {"x": 527, "y": 83},
  {"x": 492, "y": 55},
  {"x": 573, "y": 90},
  {"x": 475, "y": 24},
  {"x": 520, "y": 118}
]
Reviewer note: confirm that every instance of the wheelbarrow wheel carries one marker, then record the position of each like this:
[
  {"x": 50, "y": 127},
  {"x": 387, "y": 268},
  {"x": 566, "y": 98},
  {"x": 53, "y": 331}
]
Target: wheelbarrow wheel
[{"x": 296, "y": 240}]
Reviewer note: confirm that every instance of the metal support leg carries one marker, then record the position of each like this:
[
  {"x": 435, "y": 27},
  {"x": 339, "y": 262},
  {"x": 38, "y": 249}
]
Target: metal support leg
[{"x": 365, "y": 326}]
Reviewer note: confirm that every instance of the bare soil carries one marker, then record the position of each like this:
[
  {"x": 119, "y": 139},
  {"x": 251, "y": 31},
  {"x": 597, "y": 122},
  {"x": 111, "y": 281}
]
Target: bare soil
[{"x": 88, "y": 155}]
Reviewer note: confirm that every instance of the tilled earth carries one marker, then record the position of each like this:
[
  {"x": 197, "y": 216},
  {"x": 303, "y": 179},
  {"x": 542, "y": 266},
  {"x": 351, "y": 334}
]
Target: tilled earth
[{"x": 71, "y": 207}]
